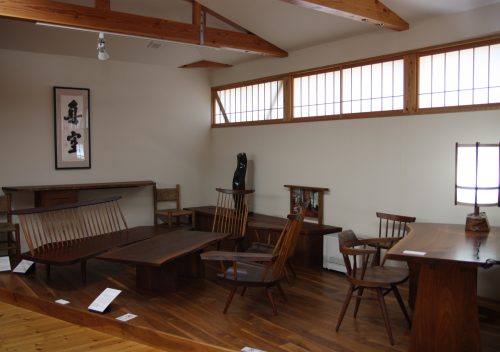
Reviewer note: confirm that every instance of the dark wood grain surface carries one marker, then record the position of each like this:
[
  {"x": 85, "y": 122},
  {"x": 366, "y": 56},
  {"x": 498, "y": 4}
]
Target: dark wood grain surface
[
  {"x": 81, "y": 186},
  {"x": 448, "y": 242},
  {"x": 159, "y": 250},
  {"x": 446, "y": 313}
]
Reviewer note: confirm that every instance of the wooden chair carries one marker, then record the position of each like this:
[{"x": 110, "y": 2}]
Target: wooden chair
[
  {"x": 258, "y": 269},
  {"x": 362, "y": 275},
  {"x": 268, "y": 247},
  {"x": 170, "y": 195},
  {"x": 391, "y": 226},
  {"x": 231, "y": 213},
  {"x": 9, "y": 242}
]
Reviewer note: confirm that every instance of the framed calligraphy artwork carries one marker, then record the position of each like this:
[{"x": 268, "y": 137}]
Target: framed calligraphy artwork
[{"x": 72, "y": 127}]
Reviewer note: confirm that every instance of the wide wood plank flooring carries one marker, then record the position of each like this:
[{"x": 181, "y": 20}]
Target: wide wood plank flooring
[
  {"x": 194, "y": 313},
  {"x": 24, "y": 331}
]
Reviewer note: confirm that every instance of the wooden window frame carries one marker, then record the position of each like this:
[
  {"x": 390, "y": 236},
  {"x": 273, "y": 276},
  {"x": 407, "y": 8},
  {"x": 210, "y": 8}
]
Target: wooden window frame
[{"x": 410, "y": 93}]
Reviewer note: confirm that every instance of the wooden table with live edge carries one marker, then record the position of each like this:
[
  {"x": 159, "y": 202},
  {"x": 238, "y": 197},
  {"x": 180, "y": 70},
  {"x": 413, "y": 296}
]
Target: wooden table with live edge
[
  {"x": 162, "y": 259},
  {"x": 447, "y": 257},
  {"x": 309, "y": 248}
]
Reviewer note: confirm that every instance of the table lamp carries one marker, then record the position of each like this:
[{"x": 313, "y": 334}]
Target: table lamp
[{"x": 477, "y": 181}]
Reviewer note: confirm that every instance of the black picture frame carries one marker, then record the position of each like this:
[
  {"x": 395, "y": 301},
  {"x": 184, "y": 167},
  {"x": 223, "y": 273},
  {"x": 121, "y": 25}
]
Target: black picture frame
[{"x": 72, "y": 128}]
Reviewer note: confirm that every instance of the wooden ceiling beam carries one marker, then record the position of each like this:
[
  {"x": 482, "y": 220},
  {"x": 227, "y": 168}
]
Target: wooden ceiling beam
[
  {"x": 372, "y": 11},
  {"x": 63, "y": 14}
]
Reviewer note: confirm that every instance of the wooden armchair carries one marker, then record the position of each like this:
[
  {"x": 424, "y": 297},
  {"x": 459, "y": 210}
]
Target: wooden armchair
[
  {"x": 171, "y": 195},
  {"x": 9, "y": 242},
  {"x": 257, "y": 269},
  {"x": 362, "y": 275},
  {"x": 391, "y": 226},
  {"x": 231, "y": 213}
]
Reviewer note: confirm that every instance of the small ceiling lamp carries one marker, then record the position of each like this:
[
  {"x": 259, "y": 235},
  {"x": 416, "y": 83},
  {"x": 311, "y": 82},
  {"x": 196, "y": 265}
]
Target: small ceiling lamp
[
  {"x": 102, "y": 54},
  {"x": 477, "y": 181}
]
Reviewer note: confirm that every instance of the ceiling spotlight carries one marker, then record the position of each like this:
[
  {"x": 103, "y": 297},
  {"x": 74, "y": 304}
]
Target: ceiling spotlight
[{"x": 102, "y": 54}]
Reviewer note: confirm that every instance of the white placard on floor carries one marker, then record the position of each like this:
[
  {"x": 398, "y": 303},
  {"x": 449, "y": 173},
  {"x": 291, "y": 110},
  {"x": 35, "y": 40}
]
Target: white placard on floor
[
  {"x": 23, "y": 266},
  {"x": 126, "y": 317},
  {"x": 62, "y": 301},
  {"x": 4, "y": 264},
  {"x": 104, "y": 300}
]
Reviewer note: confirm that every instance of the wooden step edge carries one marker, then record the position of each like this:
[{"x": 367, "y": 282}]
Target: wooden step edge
[{"x": 109, "y": 325}]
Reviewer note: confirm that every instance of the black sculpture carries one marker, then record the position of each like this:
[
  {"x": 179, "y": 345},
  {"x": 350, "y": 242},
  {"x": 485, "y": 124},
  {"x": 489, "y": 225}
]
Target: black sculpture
[
  {"x": 240, "y": 172},
  {"x": 239, "y": 180}
]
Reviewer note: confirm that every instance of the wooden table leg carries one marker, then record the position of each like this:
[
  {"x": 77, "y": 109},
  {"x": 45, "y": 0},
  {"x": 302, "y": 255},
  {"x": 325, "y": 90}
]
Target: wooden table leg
[
  {"x": 446, "y": 316},
  {"x": 157, "y": 278}
]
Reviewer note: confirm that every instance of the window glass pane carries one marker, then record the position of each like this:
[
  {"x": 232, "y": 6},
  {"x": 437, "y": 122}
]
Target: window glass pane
[
  {"x": 438, "y": 73},
  {"x": 399, "y": 78},
  {"x": 466, "y": 68},
  {"x": 481, "y": 58},
  {"x": 377, "y": 80},
  {"x": 387, "y": 79},
  {"x": 425, "y": 74},
  {"x": 495, "y": 65},
  {"x": 366, "y": 78},
  {"x": 329, "y": 88},
  {"x": 320, "y": 90},
  {"x": 346, "y": 80}
]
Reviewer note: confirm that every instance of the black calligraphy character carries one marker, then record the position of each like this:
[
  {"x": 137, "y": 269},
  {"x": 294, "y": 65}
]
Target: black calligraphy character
[
  {"x": 73, "y": 141},
  {"x": 73, "y": 115}
]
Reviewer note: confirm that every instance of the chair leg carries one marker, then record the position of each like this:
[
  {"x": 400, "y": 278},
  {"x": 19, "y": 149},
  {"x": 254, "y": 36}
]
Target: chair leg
[
  {"x": 358, "y": 301},
  {"x": 271, "y": 299},
  {"x": 230, "y": 298},
  {"x": 383, "y": 307},
  {"x": 243, "y": 291},
  {"x": 401, "y": 304},
  {"x": 282, "y": 292},
  {"x": 290, "y": 266},
  {"x": 344, "y": 307}
]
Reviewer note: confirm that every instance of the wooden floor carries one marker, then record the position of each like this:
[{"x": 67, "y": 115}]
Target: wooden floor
[
  {"x": 24, "y": 330},
  {"x": 192, "y": 319}
]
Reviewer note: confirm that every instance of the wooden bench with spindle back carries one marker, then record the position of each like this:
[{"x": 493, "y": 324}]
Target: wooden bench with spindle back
[{"x": 71, "y": 233}]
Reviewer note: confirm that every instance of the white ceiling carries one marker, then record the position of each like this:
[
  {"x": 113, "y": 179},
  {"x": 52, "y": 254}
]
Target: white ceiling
[{"x": 287, "y": 26}]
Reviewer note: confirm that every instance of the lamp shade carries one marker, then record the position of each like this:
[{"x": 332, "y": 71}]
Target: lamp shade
[{"x": 477, "y": 179}]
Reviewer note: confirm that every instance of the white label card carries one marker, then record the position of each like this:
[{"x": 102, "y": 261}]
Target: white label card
[
  {"x": 414, "y": 252},
  {"x": 126, "y": 317},
  {"x": 23, "y": 266},
  {"x": 250, "y": 349},
  {"x": 4, "y": 264},
  {"x": 104, "y": 300},
  {"x": 62, "y": 301}
]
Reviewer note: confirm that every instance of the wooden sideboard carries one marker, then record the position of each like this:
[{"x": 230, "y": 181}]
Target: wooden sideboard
[
  {"x": 51, "y": 195},
  {"x": 309, "y": 250}
]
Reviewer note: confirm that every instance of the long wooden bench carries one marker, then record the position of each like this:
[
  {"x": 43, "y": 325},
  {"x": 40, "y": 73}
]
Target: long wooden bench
[{"x": 72, "y": 233}]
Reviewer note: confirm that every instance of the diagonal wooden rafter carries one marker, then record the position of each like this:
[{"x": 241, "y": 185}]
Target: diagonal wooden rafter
[
  {"x": 372, "y": 11},
  {"x": 102, "y": 18}
]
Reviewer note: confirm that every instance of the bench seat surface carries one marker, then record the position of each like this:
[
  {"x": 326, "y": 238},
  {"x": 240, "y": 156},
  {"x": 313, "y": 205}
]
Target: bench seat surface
[{"x": 79, "y": 250}]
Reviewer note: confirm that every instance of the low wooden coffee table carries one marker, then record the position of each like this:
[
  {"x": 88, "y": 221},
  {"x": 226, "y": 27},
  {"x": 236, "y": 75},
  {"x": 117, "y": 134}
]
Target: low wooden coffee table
[{"x": 162, "y": 259}]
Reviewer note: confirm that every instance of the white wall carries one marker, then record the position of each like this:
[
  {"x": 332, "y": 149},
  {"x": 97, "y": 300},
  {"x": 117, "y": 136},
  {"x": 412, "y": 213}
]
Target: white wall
[
  {"x": 399, "y": 165},
  {"x": 147, "y": 123}
]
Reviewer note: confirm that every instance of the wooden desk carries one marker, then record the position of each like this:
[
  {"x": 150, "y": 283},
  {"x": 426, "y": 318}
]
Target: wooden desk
[
  {"x": 446, "y": 313},
  {"x": 309, "y": 249},
  {"x": 159, "y": 261}
]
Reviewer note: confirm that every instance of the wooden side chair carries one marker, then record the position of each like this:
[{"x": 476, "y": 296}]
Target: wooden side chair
[
  {"x": 9, "y": 236},
  {"x": 170, "y": 195},
  {"x": 258, "y": 269},
  {"x": 231, "y": 213},
  {"x": 267, "y": 247},
  {"x": 362, "y": 275},
  {"x": 391, "y": 226}
]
